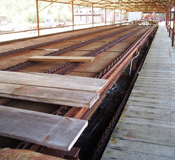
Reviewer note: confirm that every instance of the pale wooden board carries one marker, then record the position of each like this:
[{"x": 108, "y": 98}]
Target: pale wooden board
[
  {"x": 143, "y": 136},
  {"x": 40, "y": 128},
  {"x": 142, "y": 147},
  {"x": 150, "y": 104},
  {"x": 153, "y": 96},
  {"x": 53, "y": 81},
  {"x": 158, "y": 100},
  {"x": 61, "y": 58},
  {"x": 113, "y": 153},
  {"x": 153, "y": 116},
  {"x": 49, "y": 95},
  {"x": 153, "y": 92}
]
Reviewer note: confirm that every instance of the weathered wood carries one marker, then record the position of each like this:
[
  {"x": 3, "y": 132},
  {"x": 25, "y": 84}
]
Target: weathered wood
[
  {"x": 40, "y": 128},
  {"x": 147, "y": 125},
  {"x": 7, "y": 153},
  {"x": 142, "y": 147},
  {"x": 153, "y": 96},
  {"x": 55, "y": 89},
  {"x": 150, "y": 104},
  {"x": 61, "y": 58},
  {"x": 153, "y": 114},
  {"x": 53, "y": 81},
  {"x": 113, "y": 153},
  {"x": 49, "y": 95}
]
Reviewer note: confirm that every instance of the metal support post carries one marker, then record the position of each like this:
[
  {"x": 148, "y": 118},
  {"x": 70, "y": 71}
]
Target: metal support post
[
  {"x": 170, "y": 22},
  {"x": 166, "y": 19},
  {"x": 114, "y": 16},
  {"x": 173, "y": 23},
  {"x": 38, "y": 28},
  {"x": 92, "y": 15},
  {"x": 105, "y": 15},
  {"x": 73, "y": 15}
]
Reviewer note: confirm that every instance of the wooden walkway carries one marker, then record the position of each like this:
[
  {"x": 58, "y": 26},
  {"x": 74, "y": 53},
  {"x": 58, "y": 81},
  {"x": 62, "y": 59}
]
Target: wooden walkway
[{"x": 146, "y": 129}]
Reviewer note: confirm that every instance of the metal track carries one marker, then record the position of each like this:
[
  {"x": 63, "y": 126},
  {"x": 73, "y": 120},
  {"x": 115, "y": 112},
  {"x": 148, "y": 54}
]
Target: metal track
[
  {"x": 49, "y": 43},
  {"x": 99, "y": 50},
  {"x": 55, "y": 69}
]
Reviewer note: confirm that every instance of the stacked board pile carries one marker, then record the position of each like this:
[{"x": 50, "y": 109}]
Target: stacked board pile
[{"x": 48, "y": 130}]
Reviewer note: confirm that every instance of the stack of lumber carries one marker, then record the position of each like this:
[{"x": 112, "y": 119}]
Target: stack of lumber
[
  {"x": 49, "y": 88},
  {"x": 41, "y": 128}
]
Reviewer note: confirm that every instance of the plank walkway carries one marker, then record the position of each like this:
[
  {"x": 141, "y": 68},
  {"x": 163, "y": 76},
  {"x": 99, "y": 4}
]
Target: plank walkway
[
  {"x": 40, "y": 128},
  {"x": 55, "y": 89},
  {"x": 146, "y": 129}
]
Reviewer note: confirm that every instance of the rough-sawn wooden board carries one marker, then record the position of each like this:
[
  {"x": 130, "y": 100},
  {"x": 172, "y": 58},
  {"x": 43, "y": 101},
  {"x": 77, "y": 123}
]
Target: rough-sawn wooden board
[
  {"x": 61, "y": 58},
  {"x": 40, "y": 128},
  {"x": 55, "y": 89}
]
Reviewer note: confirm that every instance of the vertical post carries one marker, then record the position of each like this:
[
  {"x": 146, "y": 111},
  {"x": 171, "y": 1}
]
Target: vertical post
[
  {"x": 72, "y": 15},
  {"x": 120, "y": 15},
  {"x": 166, "y": 18},
  {"x": 105, "y": 15},
  {"x": 170, "y": 22},
  {"x": 125, "y": 16},
  {"x": 92, "y": 14},
  {"x": 173, "y": 23},
  {"x": 37, "y": 12},
  {"x": 114, "y": 16}
]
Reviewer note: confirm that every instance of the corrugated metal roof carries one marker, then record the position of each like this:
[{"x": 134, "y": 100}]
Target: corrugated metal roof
[{"x": 128, "y": 5}]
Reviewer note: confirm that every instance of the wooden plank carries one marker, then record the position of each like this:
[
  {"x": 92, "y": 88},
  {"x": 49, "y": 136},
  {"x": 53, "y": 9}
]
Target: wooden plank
[
  {"x": 61, "y": 58},
  {"x": 144, "y": 137},
  {"x": 153, "y": 92},
  {"x": 40, "y": 128},
  {"x": 150, "y": 113},
  {"x": 150, "y": 104},
  {"x": 153, "y": 96},
  {"x": 53, "y": 81},
  {"x": 150, "y": 109},
  {"x": 158, "y": 101},
  {"x": 49, "y": 95},
  {"x": 7, "y": 153},
  {"x": 142, "y": 147},
  {"x": 152, "y": 122},
  {"x": 163, "y": 83},
  {"x": 155, "y": 88},
  {"x": 145, "y": 129},
  {"x": 112, "y": 153}
]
